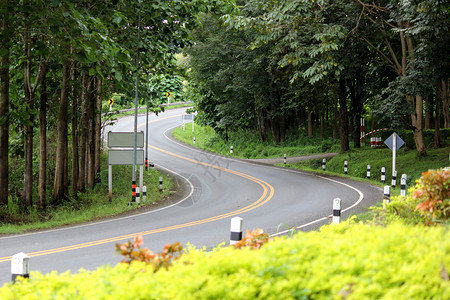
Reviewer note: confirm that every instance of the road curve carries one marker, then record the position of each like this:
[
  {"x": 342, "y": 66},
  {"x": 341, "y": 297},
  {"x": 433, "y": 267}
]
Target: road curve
[{"x": 217, "y": 188}]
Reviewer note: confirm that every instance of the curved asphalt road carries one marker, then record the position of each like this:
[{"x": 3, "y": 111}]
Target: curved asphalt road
[{"x": 217, "y": 189}]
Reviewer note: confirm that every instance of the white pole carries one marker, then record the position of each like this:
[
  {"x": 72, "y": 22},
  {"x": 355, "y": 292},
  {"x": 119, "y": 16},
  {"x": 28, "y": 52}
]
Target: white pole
[
  {"x": 236, "y": 230},
  {"x": 394, "y": 179},
  {"x": 138, "y": 195},
  {"x": 20, "y": 266},
  {"x": 394, "y": 151},
  {"x": 141, "y": 176},
  {"x": 368, "y": 171},
  {"x": 337, "y": 210},
  {"x": 387, "y": 196},
  {"x": 110, "y": 182},
  {"x": 403, "y": 185},
  {"x": 345, "y": 167},
  {"x": 144, "y": 193},
  {"x": 324, "y": 164},
  {"x": 383, "y": 174}
]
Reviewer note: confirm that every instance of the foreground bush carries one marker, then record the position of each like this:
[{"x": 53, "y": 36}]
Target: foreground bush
[
  {"x": 342, "y": 261},
  {"x": 427, "y": 202}
]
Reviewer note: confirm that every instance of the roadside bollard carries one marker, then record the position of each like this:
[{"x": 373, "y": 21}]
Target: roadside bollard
[
  {"x": 387, "y": 196},
  {"x": 236, "y": 230},
  {"x": 394, "y": 179},
  {"x": 324, "y": 164},
  {"x": 383, "y": 175},
  {"x": 231, "y": 149},
  {"x": 144, "y": 193},
  {"x": 285, "y": 159},
  {"x": 152, "y": 164},
  {"x": 337, "y": 210},
  {"x": 138, "y": 195},
  {"x": 403, "y": 185},
  {"x": 346, "y": 167},
  {"x": 160, "y": 184},
  {"x": 20, "y": 266},
  {"x": 368, "y": 171},
  {"x": 194, "y": 139}
]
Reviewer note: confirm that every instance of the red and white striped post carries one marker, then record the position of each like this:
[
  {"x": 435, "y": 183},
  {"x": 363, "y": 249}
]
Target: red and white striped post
[{"x": 363, "y": 139}]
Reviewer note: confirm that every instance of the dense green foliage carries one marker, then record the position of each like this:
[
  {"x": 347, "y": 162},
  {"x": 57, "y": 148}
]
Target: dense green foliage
[
  {"x": 247, "y": 145},
  {"x": 351, "y": 261},
  {"x": 276, "y": 66},
  {"x": 88, "y": 206}
]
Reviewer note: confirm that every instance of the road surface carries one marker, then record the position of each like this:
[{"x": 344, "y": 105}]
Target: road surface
[{"x": 215, "y": 190}]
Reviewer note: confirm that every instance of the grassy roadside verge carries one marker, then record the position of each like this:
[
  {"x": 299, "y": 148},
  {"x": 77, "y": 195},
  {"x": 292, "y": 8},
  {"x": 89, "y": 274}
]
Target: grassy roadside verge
[
  {"x": 93, "y": 204},
  {"x": 246, "y": 146}
]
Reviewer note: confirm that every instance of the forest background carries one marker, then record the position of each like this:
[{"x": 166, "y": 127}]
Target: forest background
[{"x": 278, "y": 68}]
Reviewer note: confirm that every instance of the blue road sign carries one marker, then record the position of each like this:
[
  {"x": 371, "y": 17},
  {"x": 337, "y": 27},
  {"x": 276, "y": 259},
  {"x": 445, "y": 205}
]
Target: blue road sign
[{"x": 390, "y": 142}]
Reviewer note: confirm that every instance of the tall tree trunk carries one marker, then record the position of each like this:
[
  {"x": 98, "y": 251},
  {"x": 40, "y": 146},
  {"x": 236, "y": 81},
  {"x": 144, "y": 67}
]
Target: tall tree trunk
[
  {"x": 42, "y": 184},
  {"x": 28, "y": 127},
  {"x": 61, "y": 145},
  {"x": 75, "y": 167},
  {"x": 417, "y": 124},
  {"x": 91, "y": 135},
  {"x": 427, "y": 113},
  {"x": 343, "y": 118},
  {"x": 335, "y": 116},
  {"x": 310, "y": 121},
  {"x": 4, "y": 104},
  {"x": 322, "y": 122},
  {"x": 445, "y": 102},
  {"x": 98, "y": 125},
  {"x": 83, "y": 130},
  {"x": 437, "y": 123}
]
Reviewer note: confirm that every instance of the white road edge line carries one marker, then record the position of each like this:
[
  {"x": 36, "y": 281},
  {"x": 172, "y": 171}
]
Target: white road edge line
[
  {"x": 361, "y": 195},
  {"x": 112, "y": 220}
]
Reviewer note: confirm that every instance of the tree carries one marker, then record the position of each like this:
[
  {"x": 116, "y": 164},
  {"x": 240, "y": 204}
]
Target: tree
[
  {"x": 5, "y": 38},
  {"x": 404, "y": 30}
]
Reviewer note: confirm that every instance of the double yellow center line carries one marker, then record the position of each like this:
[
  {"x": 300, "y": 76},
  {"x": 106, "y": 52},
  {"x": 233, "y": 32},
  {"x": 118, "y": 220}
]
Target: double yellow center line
[{"x": 267, "y": 194}]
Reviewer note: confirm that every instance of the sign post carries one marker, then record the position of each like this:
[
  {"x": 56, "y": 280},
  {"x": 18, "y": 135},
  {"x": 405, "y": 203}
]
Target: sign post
[
  {"x": 123, "y": 151},
  {"x": 168, "y": 95},
  {"x": 111, "y": 102},
  {"x": 394, "y": 142}
]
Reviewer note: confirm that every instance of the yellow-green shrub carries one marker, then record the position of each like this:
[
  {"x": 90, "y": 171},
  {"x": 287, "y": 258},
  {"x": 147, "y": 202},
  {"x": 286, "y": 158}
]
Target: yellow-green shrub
[{"x": 353, "y": 261}]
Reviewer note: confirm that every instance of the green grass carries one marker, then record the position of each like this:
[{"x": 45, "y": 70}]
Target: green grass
[
  {"x": 247, "y": 145},
  {"x": 407, "y": 162},
  {"x": 91, "y": 205}
]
